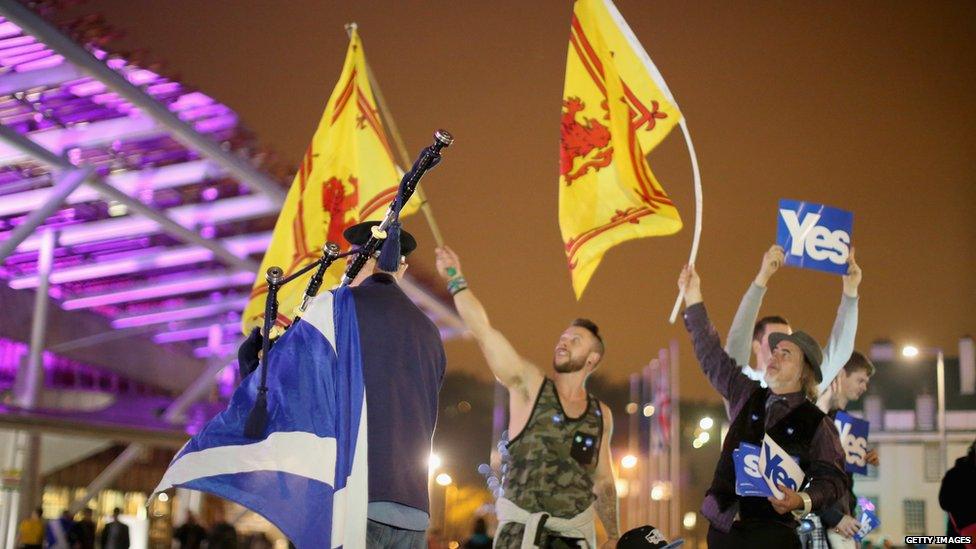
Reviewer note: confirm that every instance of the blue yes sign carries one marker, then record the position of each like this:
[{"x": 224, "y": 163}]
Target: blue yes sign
[
  {"x": 814, "y": 236},
  {"x": 854, "y": 439}
]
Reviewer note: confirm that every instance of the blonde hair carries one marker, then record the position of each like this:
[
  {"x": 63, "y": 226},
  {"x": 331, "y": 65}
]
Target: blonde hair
[{"x": 808, "y": 382}]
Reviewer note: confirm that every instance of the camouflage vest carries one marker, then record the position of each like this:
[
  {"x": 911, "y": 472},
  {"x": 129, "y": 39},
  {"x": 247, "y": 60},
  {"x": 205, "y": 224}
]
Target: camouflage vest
[{"x": 550, "y": 465}]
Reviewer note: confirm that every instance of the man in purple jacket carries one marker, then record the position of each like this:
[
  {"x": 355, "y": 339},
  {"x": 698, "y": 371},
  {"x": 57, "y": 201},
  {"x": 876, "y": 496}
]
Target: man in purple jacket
[{"x": 785, "y": 411}]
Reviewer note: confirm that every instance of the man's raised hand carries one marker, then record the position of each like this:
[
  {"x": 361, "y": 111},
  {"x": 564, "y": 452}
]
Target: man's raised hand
[
  {"x": 853, "y": 277},
  {"x": 448, "y": 264},
  {"x": 772, "y": 260},
  {"x": 690, "y": 284}
]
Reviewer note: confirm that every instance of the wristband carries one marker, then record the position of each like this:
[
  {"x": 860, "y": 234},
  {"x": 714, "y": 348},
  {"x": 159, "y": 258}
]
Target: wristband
[{"x": 457, "y": 285}]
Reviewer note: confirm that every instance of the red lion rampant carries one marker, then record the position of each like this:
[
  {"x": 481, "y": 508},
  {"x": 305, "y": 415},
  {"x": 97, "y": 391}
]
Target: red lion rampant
[
  {"x": 579, "y": 140},
  {"x": 338, "y": 202}
]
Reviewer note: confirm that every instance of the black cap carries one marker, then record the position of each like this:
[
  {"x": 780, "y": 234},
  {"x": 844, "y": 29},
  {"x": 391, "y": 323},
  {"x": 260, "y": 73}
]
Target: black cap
[
  {"x": 645, "y": 537},
  {"x": 808, "y": 345},
  {"x": 359, "y": 234}
]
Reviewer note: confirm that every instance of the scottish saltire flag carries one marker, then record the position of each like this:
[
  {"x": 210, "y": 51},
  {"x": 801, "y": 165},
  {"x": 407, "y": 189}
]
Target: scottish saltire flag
[{"x": 308, "y": 476}]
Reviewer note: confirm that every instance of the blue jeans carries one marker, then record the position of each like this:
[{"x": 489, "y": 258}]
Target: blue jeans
[{"x": 382, "y": 536}]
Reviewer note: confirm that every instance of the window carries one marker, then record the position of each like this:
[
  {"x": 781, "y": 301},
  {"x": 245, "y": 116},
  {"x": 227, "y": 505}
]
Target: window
[
  {"x": 914, "y": 517},
  {"x": 933, "y": 465}
]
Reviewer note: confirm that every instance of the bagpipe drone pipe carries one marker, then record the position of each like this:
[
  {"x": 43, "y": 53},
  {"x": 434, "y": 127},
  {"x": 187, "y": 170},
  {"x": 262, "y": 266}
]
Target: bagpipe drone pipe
[{"x": 388, "y": 229}]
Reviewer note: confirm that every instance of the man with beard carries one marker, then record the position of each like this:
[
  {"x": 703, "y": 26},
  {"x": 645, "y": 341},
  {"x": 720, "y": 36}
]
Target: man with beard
[
  {"x": 850, "y": 384},
  {"x": 784, "y": 411},
  {"x": 557, "y": 471}
]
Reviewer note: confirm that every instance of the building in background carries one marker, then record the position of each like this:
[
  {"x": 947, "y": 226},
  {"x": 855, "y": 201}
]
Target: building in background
[{"x": 901, "y": 404}]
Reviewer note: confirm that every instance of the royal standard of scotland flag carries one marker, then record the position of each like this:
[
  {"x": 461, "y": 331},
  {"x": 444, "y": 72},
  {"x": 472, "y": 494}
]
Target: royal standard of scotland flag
[{"x": 308, "y": 476}]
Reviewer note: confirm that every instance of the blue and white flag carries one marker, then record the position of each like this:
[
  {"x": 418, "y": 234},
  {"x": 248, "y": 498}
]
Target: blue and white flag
[{"x": 308, "y": 476}]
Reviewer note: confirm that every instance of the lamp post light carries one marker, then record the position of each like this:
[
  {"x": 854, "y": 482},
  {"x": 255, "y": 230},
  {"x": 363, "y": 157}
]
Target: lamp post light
[{"x": 911, "y": 351}]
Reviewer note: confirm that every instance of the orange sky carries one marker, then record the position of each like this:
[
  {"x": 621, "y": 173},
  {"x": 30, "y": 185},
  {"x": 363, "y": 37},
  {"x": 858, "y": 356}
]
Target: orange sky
[{"x": 866, "y": 106}]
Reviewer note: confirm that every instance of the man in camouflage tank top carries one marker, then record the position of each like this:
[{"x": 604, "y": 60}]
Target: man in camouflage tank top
[{"x": 558, "y": 474}]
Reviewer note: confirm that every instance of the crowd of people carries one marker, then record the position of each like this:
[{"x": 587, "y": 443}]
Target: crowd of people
[{"x": 65, "y": 532}]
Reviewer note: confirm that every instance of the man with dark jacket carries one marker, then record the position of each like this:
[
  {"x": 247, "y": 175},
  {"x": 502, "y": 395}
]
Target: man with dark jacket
[
  {"x": 956, "y": 497},
  {"x": 851, "y": 383},
  {"x": 403, "y": 368},
  {"x": 115, "y": 534},
  {"x": 784, "y": 411},
  {"x": 83, "y": 534}
]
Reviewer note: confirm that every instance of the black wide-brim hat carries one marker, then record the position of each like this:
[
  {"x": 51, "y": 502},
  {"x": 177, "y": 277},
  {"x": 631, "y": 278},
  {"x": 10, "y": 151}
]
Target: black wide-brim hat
[
  {"x": 808, "y": 345},
  {"x": 359, "y": 234}
]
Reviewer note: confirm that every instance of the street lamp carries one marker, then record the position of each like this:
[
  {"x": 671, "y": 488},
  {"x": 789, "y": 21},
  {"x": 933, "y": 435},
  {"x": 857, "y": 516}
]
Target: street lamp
[
  {"x": 911, "y": 351},
  {"x": 629, "y": 461},
  {"x": 444, "y": 479}
]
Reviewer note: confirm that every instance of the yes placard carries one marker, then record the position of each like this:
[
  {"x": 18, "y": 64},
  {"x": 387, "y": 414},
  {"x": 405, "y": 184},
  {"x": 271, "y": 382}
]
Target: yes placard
[
  {"x": 778, "y": 468},
  {"x": 748, "y": 478},
  {"x": 854, "y": 439},
  {"x": 814, "y": 236},
  {"x": 869, "y": 521}
]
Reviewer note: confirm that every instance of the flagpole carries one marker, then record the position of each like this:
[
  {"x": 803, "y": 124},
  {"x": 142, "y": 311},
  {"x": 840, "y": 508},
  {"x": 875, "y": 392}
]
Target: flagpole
[{"x": 398, "y": 142}]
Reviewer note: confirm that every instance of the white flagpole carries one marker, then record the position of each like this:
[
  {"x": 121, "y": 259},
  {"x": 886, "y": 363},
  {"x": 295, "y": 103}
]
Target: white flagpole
[{"x": 659, "y": 80}]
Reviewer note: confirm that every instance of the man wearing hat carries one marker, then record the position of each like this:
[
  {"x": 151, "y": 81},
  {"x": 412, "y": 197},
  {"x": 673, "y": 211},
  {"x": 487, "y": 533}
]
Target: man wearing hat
[
  {"x": 785, "y": 411},
  {"x": 403, "y": 367}
]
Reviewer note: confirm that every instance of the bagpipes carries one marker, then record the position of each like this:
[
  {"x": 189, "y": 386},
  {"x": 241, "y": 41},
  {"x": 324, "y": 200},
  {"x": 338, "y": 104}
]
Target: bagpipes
[{"x": 388, "y": 229}]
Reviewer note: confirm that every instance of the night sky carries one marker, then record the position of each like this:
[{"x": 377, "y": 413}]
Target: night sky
[{"x": 867, "y": 106}]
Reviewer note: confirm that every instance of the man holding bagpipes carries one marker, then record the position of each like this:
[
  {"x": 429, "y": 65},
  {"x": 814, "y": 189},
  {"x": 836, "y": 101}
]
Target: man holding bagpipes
[{"x": 293, "y": 442}]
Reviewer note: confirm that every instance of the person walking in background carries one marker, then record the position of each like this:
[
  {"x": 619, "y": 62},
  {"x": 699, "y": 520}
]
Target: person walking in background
[
  {"x": 190, "y": 534},
  {"x": 57, "y": 531},
  {"x": 223, "y": 535},
  {"x": 115, "y": 534},
  {"x": 30, "y": 532},
  {"x": 83, "y": 534},
  {"x": 479, "y": 539}
]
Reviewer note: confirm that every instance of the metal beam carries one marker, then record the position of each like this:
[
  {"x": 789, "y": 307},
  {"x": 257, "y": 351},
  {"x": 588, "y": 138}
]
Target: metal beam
[
  {"x": 167, "y": 177},
  {"x": 150, "y": 259},
  {"x": 34, "y": 24},
  {"x": 94, "y": 134},
  {"x": 192, "y": 332},
  {"x": 221, "y": 211},
  {"x": 67, "y": 182},
  {"x": 41, "y": 154},
  {"x": 44, "y": 421},
  {"x": 202, "y": 309},
  {"x": 42, "y": 78},
  {"x": 30, "y": 378},
  {"x": 154, "y": 290}
]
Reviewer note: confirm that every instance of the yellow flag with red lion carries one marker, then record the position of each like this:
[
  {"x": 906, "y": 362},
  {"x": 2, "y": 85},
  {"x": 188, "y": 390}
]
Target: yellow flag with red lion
[
  {"x": 347, "y": 175},
  {"x": 615, "y": 110}
]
